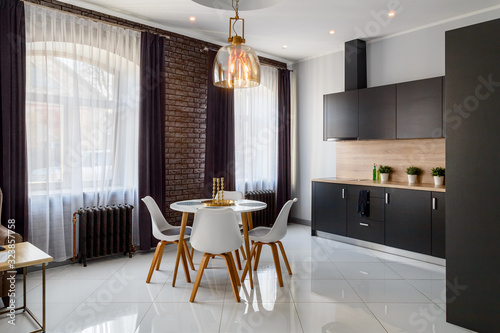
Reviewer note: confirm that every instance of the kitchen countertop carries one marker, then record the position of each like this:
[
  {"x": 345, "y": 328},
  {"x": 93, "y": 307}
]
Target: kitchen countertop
[{"x": 392, "y": 184}]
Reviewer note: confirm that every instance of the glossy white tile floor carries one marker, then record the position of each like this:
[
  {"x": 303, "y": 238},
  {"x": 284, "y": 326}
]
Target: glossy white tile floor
[{"x": 335, "y": 287}]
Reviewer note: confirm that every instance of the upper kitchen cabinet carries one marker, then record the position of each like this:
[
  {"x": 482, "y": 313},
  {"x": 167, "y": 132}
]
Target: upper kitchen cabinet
[
  {"x": 377, "y": 113},
  {"x": 340, "y": 116},
  {"x": 420, "y": 109}
]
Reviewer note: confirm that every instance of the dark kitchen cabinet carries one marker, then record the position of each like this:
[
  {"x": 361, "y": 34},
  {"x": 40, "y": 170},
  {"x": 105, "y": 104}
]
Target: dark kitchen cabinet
[
  {"x": 377, "y": 113},
  {"x": 340, "y": 116},
  {"x": 329, "y": 202},
  {"x": 438, "y": 224},
  {"x": 472, "y": 191},
  {"x": 408, "y": 220},
  {"x": 420, "y": 109},
  {"x": 370, "y": 227}
]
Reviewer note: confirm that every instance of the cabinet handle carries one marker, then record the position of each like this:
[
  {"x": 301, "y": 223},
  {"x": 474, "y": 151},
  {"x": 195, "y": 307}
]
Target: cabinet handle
[
  {"x": 434, "y": 203},
  {"x": 387, "y": 198},
  {"x": 364, "y": 224},
  {"x": 343, "y": 193}
]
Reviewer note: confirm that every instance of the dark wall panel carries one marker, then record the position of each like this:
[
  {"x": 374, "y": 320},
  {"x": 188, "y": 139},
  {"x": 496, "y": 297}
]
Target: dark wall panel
[{"x": 472, "y": 91}]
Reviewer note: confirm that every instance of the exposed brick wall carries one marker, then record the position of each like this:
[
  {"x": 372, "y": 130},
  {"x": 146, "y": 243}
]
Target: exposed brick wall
[{"x": 186, "y": 103}]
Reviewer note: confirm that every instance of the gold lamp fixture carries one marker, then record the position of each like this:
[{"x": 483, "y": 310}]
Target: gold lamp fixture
[{"x": 236, "y": 65}]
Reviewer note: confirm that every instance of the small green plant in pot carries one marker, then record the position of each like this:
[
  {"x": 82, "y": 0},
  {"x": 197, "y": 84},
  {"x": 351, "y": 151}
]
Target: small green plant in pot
[
  {"x": 412, "y": 173},
  {"x": 384, "y": 171},
  {"x": 438, "y": 174}
]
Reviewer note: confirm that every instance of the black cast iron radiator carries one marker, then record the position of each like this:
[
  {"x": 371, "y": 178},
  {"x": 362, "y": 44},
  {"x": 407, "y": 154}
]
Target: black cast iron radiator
[
  {"x": 103, "y": 231},
  {"x": 265, "y": 217}
]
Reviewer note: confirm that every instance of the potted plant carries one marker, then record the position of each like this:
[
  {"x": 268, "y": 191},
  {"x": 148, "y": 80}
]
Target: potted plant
[
  {"x": 384, "y": 172},
  {"x": 412, "y": 173},
  {"x": 438, "y": 174}
]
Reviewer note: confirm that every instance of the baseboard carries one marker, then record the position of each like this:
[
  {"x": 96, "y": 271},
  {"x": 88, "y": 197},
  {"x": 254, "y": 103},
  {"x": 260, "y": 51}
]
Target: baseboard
[
  {"x": 300, "y": 221},
  {"x": 384, "y": 248}
]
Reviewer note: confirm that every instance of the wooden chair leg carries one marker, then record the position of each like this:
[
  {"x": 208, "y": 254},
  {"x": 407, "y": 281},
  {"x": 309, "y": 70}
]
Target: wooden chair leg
[
  {"x": 285, "y": 259},
  {"x": 234, "y": 268},
  {"x": 188, "y": 255},
  {"x": 238, "y": 262},
  {"x": 203, "y": 264},
  {"x": 153, "y": 263},
  {"x": 192, "y": 252},
  {"x": 232, "y": 277},
  {"x": 243, "y": 254},
  {"x": 257, "y": 256},
  {"x": 160, "y": 255},
  {"x": 277, "y": 265},
  {"x": 245, "y": 270}
]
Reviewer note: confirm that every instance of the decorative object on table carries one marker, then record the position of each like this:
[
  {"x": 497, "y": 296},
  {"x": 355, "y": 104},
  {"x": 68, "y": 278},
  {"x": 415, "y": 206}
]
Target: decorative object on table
[
  {"x": 438, "y": 174},
  {"x": 218, "y": 195},
  {"x": 384, "y": 172},
  {"x": 374, "y": 171},
  {"x": 412, "y": 173},
  {"x": 236, "y": 65}
]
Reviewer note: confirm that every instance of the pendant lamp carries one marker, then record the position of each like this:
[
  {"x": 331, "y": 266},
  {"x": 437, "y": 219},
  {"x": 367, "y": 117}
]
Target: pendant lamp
[{"x": 236, "y": 65}]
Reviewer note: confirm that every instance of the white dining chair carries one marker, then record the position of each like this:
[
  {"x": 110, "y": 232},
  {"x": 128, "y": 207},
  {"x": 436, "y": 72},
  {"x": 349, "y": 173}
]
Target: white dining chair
[
  {"x": 271, "y": 236},
  {"x": 234, "y": 195},
  {"x": 216, "y": 233},
  {"x": 165, "y": 233}
]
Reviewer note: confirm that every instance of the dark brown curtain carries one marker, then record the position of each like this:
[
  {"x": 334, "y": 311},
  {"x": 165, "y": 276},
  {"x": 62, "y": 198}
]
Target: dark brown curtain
[
  {"x": 151, "y": 132},
  {"x": 219, "y": 158},
  {"x": 13, "y": 157},
  {"x": 284, "y": 192}
]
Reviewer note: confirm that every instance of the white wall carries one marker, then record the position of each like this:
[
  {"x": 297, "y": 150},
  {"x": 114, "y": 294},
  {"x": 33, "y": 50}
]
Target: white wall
[{"x": 411, "y": 56}]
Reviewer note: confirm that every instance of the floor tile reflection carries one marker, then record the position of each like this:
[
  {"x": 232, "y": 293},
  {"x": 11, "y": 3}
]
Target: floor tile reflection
[{"x": 335, "y": 287}]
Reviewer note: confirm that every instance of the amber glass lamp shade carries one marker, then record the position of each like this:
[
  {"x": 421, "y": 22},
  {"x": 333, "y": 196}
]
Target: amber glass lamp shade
[{"x": 236, "y": 66}]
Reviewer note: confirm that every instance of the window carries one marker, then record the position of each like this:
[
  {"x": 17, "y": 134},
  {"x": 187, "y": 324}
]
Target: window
[
  {"x": 256, "y": 133},
  {"x": 82, "y": 105}
]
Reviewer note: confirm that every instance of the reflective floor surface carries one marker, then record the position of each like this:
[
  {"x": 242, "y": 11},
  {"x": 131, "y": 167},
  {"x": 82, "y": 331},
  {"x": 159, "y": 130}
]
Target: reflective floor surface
[{"x": 335, "y": 287}]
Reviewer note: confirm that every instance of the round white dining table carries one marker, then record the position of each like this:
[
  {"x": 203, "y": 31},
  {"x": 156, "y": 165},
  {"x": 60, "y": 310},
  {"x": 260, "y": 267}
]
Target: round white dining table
[{"x": 245, "y": 207}]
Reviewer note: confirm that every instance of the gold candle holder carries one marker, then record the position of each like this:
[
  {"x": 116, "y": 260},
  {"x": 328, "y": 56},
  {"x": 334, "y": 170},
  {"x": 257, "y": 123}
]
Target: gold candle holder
[
  {"x": 219, "y": 192},
  {"x": 222, "y": 189},
  {"x": 213, "y": 191}
]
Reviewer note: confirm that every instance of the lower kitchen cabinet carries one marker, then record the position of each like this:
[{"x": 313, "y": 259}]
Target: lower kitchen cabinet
[
  {"x": 438, "y": 225},
  {"x": 408, "y": 220},
  {"x": 370, "y": 227},
  {"x": 329, "y": 202},
  {"x": 412, "y": 220}
]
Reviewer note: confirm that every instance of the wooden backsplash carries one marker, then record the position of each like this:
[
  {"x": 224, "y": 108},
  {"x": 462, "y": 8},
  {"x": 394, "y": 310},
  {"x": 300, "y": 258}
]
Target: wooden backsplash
[{"x": 355, "y": 158}]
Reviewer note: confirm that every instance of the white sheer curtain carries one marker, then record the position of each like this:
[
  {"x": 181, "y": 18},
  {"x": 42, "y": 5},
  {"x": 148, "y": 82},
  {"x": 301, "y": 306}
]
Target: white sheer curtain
[
  {"x": 82, "y": 121},
  {"x": 256, "y": 135}
]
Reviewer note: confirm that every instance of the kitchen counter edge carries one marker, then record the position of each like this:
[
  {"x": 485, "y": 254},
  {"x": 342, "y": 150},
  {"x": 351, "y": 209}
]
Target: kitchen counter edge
[{"x": 389, "y": 184}]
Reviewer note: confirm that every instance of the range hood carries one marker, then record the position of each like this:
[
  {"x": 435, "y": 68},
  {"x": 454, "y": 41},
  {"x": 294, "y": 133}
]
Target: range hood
[{"x": 355, "y": 64}]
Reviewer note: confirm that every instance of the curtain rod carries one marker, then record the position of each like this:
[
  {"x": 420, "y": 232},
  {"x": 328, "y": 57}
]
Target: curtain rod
[
  {"x": 89, "y": 18},
  {"x": 206, "y": 49}
]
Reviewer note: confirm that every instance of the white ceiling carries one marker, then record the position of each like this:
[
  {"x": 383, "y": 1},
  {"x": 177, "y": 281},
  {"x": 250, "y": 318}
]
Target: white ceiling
[{"x": 302, "y": 25}]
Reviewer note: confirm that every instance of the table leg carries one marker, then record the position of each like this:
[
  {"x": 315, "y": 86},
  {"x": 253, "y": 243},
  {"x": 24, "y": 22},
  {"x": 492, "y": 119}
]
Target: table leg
[
  {"x": 24, "y": 289},
  {"x": 43, "y": 298},
  {"x": 179, "y": 249},
  {"x": 244, "y": 221}
]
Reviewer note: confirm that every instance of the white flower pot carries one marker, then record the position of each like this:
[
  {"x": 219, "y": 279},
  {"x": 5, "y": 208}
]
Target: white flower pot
[
  {"x": 438, "y": 180},
  {"x": 412, "y": 179},
  {"x": 384, "y": 177}
]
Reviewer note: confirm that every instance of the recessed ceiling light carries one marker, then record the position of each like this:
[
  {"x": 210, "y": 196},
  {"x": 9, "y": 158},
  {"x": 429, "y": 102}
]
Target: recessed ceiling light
[
  {"x": 285, "y": 46},
  {"x": 331, "y": 32},
  {"x": 391, "y": 13},
  {"x": 192, "y": 19}
]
